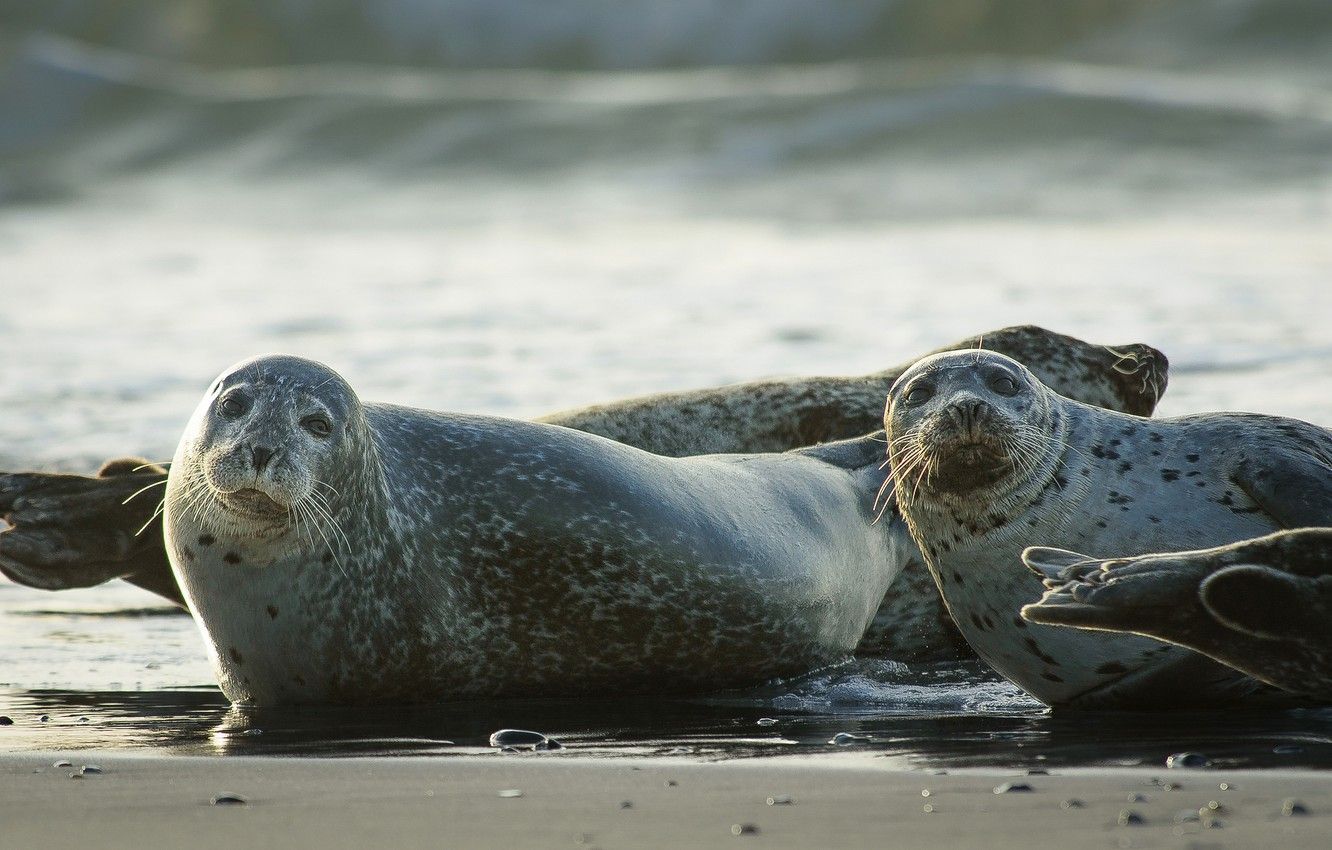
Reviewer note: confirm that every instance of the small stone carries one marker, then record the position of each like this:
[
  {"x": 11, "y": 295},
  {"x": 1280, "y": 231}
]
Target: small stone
[
  {"x": 78, "y": 774},
  {"x": 516, "y": 738},
  {"x": 1290, "y": 807},
  {"x": 924, "y": 792},
  {"x": 45, "y": 718},
  {"x": 83, "y": 720},
  {"x": 252, "y": 732},
  {"x": 767, "y": 721},
  {"x": 626, "y": 804},
  {"x": 1073, "y": 803},
  {"x": 1171, "y": 786},
  {"x": 511, "y": 793},
  {"x": 1013, "y": 788},
  {"x": 1187, "y": 816},
  {"x": 1038, "y": 771},
  {"x": 780, "y": 801},
  {"x": 1287, "y": 749},
  {"x": 1215, "y": 806},
  {"x": 509, "y": 750},
  {"x": 6, "y": 720},
  {"x": 1224, "y": 786},
  {"x": 671, "y": 783},
  {"x": 548, "y": 744},
  {"x": 845, "y": 739},
  {"x": 1188, "y": 760},
  {"x": 230, "y": 800},
  {"x": 1137, "y": 798},
  {"x": 90, "y": 768},
  {"x": 1129, "y": 817},
  {"x": 744, "y": 829},
  {"x": 927, "y": 808},
  {"x": 62, "y": 763}
]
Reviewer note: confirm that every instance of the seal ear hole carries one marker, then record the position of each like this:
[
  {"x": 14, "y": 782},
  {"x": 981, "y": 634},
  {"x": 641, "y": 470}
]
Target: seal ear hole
[
  {"x": 318, "y": 425},
  {"x": 233, "y": 406}
]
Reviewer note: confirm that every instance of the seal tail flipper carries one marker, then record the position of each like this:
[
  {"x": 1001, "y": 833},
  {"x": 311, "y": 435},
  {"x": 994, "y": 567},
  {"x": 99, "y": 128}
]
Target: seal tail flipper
[{"x": 1264, "y": 602}]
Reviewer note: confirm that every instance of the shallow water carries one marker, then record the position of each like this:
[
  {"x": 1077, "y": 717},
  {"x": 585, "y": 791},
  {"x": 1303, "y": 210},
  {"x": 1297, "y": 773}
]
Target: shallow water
[{"x": 574, "y": 206}]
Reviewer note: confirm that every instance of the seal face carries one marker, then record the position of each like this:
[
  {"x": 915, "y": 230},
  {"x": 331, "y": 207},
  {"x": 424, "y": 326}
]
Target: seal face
[
  {"x": 986, "y": 461},
  {"x": 1263, "y": 606},
  {"x": 334, "y": 551}
]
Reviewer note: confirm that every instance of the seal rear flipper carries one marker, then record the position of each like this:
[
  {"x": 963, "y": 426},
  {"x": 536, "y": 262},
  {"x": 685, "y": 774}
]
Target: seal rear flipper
[
  {"x": 1294, "y": 489},
  {"x": 1269, "y": 603},
  {"x": 78, "y": 531}
]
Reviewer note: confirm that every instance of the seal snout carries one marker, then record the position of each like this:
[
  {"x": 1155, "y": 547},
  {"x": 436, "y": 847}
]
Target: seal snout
[{"x": 260, "y": 457}]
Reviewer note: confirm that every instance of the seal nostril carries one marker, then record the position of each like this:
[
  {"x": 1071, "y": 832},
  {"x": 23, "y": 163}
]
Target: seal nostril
[{"x": 261, "y": 457}]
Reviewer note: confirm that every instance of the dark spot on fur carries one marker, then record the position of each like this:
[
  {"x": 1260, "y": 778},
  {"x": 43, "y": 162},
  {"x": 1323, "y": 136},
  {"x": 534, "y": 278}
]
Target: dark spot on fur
[
  {"x": 187, "y": 553},
  {"x": 328, "y": 558},
  {"x": 232, "y": 558},
  {"x": 957, "y": 577},
  {"x": 985, "y": 618},
  {"x": 1191, "y": 458},
  {"x": 1201, "y": 484},
  {"x": 1100, "y": 523},
  {"x": 272, "y": 611},
  {"x": 299, "y": 679},
  {"x": 976, "y": 621},
  {"x": 1116, "y": 442},
  {"x": 1019, "y": 622},
  {"x": 1118, "y": 498},
  {"x": 1169, "y": 475},
  {"x": 1086, "y": 471},
  {"x": 1112, "y": 667},
  {"x": 1194, "y": 474},
  {"x": 997, "y": 521},
  {"x": 1155, "y": 437},
  {"x": 207, "y": 540},
  {"x": 1154, "y": 520},
  {"x": 1124, "y": 466},
  {"x": 235, "y": 655},
  {"x": 1050, "y": 677}
]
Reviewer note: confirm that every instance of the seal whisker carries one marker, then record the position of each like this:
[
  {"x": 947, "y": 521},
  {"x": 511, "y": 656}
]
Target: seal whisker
[{"x": 143, "y": 490}]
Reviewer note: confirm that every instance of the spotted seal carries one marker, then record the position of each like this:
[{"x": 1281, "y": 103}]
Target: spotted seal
[
  {"x": 334, "y": 551},
  {"x": 1261, "y": 606},
  {"x": 986, "y": 460},
  {"x": 76, "y": 531}
]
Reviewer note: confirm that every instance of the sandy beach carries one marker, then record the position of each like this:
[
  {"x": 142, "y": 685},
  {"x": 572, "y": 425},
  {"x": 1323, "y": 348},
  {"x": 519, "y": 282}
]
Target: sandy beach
[{"x": 549, "y": 800}]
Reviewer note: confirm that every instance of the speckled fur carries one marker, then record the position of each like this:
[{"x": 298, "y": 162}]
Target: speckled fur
[
  {"x": 1101, "y": 482},
  {"x": 777, "y": 415},
  {"x": 490, "y": 557},
  {"x": 1261, "y": 606}
]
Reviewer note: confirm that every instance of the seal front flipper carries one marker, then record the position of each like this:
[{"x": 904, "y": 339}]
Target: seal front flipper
[
  {"x": 1294, "y": 489},
  {"x": 77, "y": 531}
]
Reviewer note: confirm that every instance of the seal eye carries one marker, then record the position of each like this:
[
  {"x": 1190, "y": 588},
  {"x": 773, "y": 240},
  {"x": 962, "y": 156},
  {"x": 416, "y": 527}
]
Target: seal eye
[
  {"x": 232, "y": 406},
  {"x": 317, "y": 425},
  {"x": 918, "y": 394},
  {"x": 1004, "y": 385}
]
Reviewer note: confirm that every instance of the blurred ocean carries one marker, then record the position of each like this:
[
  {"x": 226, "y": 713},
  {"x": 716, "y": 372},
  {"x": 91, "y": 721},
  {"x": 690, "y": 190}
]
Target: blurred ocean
[{"x": 513, "y": 206}]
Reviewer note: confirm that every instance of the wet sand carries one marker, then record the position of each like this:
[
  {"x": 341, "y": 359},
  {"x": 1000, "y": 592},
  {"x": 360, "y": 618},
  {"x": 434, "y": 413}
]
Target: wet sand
[{"x": 150, "y": 801}]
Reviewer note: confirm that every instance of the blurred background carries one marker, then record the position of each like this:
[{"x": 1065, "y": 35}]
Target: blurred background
[{"x": 513, "y": 206}]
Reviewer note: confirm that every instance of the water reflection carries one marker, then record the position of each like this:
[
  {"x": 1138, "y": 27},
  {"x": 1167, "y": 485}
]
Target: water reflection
[{"x": 954, "y": 733}]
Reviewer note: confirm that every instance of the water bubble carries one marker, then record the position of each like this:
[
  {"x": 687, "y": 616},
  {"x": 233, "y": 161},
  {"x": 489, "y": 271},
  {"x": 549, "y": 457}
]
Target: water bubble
[
  {"x": 767, "y": 721},
  {"x": 516, "y": 738},
  {"x": 846, "y": 739}
]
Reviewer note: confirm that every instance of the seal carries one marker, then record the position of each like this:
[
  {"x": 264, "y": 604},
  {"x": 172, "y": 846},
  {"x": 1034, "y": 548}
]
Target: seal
[
  {"x": 1262, "y": 606},
  {"x": 339, "y": 552},
  {"x": 75, "y": 531},
  {"x": 986, "y": 460}
]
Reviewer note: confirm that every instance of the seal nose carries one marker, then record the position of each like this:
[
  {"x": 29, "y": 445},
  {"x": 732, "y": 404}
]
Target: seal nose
[
  {"x": 260, "y": 457},
  {"x": 971, "y": 414}
]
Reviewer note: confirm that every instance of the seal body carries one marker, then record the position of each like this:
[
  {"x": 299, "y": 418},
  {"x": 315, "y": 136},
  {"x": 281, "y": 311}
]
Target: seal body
[
  {"x": 987, "y": 461},
  {"x": 339, "y": 552},
  {"x": 1262, "y": 606}
]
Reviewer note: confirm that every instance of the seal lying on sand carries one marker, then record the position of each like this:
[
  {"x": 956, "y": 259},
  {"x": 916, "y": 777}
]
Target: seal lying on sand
[
  {"x": 75, "y": 531},
  {"x": 1262, "y": 606},
  {"x": 986, "y": 460},
  {"x": 334, "y": 551}
]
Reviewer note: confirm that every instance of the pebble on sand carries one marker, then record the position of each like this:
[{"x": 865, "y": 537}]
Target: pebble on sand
[
  {"x": 230, "y": 800},
  {"x": 744, "y": 829}
]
